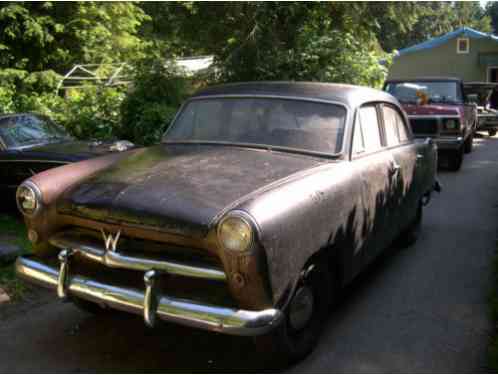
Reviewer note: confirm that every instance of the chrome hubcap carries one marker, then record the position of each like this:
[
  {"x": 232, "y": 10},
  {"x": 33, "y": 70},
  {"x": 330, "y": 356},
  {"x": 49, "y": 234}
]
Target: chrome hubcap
[{"x": 301, "y": 308}]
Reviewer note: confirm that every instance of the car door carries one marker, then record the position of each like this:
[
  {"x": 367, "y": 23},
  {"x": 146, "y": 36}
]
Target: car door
[
  {"x": 374, "y": 161},
  {"x": 404, "y": 190}
]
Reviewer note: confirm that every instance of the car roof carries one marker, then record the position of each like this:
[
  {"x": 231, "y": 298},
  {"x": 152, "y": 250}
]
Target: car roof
[
  {"x": 425, "y": 79},
  {"x": 349, "y": 95}
]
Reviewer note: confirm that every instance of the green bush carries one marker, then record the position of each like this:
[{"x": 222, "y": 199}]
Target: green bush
[
  {"x": 91, "y": 112},
  {"x": 139, "y": 113},
  {"x": 152, "y": 102}
]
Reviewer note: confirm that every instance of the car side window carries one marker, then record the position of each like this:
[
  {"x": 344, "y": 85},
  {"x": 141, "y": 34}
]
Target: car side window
[
  {"x": 394, "y": 125},
  {"x": 402, "y": 130},
  {"x": 390, "y": 126},
  {"x": 358, "y": 144},
  {"x": 369, "y": 122}
]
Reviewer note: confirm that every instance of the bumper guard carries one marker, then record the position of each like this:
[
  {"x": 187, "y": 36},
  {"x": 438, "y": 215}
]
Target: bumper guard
[{"x": 149, "y": 304}]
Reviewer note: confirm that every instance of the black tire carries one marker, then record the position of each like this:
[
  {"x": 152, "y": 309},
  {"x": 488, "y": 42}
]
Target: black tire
[
  {"x": 469, "y": 144},
  {"x": 455, "y": 160},
  {"x": 89, "y": 307},
  {"x": 492, "y": 132},
  {"x": 410, "y": 236},
  {"x": 287, "y": 344}
]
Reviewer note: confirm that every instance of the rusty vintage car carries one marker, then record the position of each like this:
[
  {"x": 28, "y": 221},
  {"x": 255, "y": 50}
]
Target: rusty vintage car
[{"x": 260, "y": 202}]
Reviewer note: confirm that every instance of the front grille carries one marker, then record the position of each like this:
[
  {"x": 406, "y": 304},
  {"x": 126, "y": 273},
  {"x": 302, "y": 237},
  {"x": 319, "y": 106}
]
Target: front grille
[
  {"x": 140, "y": 255},
  {"x": 129, "y": 245},
  {"x": 424, "y": 125}
]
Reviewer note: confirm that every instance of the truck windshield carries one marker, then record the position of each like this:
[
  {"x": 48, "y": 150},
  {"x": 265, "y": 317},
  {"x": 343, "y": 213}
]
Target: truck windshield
[
  {"x": 273, "y": 122},
  {"x": 435, "y": 91}
]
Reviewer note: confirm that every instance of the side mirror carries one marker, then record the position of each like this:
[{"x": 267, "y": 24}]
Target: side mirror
[{"x": 428, "y": 141}]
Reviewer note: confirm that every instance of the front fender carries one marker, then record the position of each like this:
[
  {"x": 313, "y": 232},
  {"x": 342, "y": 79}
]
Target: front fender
[
  {"x": 298, "y": 218},
  {"x": 52, "y": 183}
]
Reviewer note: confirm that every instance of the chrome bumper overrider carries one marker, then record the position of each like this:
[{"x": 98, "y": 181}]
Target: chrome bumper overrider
[{"x": 148, "y": 303}]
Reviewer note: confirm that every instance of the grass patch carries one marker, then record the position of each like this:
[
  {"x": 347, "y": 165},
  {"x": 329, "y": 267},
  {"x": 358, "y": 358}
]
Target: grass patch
[{"x": 13, "y": 230}]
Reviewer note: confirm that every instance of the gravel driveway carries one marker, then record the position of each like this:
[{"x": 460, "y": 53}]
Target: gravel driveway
[{"x": 421, "y": 309}]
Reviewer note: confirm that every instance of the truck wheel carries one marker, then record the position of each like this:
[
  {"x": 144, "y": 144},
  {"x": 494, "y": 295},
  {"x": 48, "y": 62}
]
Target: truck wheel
[
  {"x": 456, "y": 160},
  {"x": 492, "y": 132},
  {"x": 411, "y": 234},
  {"x": 301, "y": 326},
  {"x": 469, "y": 144}
]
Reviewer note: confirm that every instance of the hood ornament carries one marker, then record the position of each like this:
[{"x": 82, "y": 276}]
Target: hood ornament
[{"x": 111, "y": 242}]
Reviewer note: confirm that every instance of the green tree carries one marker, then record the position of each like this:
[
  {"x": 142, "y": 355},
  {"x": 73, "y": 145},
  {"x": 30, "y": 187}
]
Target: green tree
[
  {"x": 56, "y": 35},
  {"x": 333, "y": 42},
  {"x": 425, "y": 20}
]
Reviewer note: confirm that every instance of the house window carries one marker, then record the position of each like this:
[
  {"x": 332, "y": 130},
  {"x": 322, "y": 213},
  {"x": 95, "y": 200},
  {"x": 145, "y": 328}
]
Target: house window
[{"x": 463, "y": 45}]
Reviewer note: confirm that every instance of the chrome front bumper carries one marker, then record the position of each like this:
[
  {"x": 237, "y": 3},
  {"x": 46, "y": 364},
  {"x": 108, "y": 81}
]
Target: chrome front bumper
[
  {"x": 148, "y": 303},
  {"x": 449, "y": 143}
]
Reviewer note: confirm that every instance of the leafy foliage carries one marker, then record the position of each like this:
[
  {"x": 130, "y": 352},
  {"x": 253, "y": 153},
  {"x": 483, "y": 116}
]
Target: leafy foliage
[
  {"x": 425, "y": 20},
  {"x": 36, "y": 36},
  {"x": 329, "y": 42},
  {"x": 150, "y": 106}
]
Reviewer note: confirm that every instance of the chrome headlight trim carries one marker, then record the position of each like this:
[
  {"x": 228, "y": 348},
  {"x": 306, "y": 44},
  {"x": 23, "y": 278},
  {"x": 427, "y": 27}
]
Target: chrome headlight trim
[
  {"x": 38, "y": 198},
  {"x": 247, "y": 220}
]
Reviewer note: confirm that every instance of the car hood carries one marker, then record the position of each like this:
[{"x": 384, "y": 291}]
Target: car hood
[
  {"x": 72, "y": 150},
  {"x": 179, "y": 189},
  {"x": 433, "y": 109}
]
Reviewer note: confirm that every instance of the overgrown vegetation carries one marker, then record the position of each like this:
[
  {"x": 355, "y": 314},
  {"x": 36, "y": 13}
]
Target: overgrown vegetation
[
  {"x": 12, "y": 230},
  {"x": 330, "y": 42}
]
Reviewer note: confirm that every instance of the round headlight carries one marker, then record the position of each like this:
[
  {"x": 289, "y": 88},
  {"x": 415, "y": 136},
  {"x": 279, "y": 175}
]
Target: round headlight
[
  {"x": 28, "y": 198},
  {"x": 235, "y": 233}
]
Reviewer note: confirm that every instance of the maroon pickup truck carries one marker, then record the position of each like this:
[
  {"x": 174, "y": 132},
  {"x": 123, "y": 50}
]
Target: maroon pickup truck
[{"x": 438, "y": 108}]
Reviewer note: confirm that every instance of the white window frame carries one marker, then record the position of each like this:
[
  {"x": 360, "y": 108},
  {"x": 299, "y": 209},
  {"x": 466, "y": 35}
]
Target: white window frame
[{"x": 467, "y": 50}]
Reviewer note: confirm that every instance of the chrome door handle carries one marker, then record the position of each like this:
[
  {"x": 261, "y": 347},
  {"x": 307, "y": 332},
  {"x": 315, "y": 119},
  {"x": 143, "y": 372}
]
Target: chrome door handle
[{"x": 420, "y": 156}]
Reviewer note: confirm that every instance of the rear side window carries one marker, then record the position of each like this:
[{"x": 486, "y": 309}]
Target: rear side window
[
  {"x": 390, "y": 126},
  {"x": 402, "y": 131},
  {"x": 369, "y": 123},
  {"x": 394, "y": 125}
]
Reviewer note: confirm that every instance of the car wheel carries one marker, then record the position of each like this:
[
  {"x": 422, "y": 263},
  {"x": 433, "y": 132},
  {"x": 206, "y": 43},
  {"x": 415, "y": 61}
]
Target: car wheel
[
  {"x": 410, "y": 236},
  {"x": 304, "y": 315},
  {"x": 492, "y": 132},
  {"x": 89, "y": 307},
  {"x": 469, "y": 144},
  {"x": 456, "y": 160}
]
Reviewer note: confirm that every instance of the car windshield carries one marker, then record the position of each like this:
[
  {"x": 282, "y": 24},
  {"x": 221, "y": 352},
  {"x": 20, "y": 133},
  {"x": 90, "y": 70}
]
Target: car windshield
[
  {"x": 28, "y": 130},
  {"x": 272, "y": 122},
  {"x": 434, "y": 91}
]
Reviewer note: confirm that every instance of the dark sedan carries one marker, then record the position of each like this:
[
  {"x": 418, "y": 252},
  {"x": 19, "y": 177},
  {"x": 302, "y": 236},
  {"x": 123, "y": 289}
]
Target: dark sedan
[
  {"x": 261, "y": 201},
  {"x": 31, "y": 143}
]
